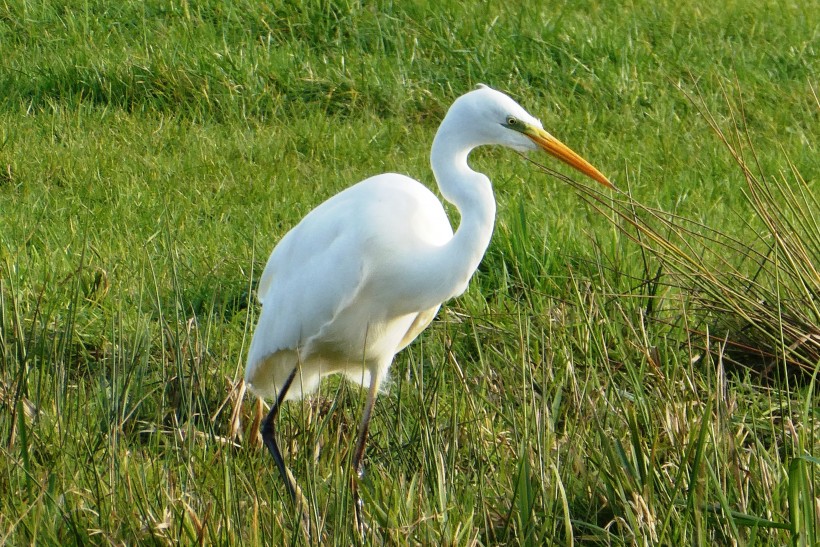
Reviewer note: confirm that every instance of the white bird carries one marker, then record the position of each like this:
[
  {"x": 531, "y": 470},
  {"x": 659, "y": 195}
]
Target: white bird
[{"x": 366, "y": 271}]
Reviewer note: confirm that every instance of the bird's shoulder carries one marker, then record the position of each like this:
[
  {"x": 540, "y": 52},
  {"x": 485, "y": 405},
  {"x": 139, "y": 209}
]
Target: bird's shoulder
[
  {"x": 389, "y": 189},
  {"x": 381, "y": 214},
  {"x": 380, "y": 209}
]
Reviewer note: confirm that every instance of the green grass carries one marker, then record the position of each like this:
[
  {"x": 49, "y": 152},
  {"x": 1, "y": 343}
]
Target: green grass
[{"x": 151, "y": 155}]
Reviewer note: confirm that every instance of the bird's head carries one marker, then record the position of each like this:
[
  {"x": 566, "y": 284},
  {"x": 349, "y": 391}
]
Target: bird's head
[{"x": 492, "y": 117}]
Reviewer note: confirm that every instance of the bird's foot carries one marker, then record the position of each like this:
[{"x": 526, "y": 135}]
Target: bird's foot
[
  {"x": 305, "y": 518},
  {"x": 358, "y": 505},
  {"x": 361, "y": 526}
]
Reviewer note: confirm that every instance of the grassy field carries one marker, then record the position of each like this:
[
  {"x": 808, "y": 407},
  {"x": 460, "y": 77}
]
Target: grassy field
[{"x": 152, "y": 154}]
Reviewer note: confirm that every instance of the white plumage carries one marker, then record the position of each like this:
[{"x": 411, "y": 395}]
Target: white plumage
[
  {"x": 328, "y": 290},
  {"x": 366, "y": 271}
]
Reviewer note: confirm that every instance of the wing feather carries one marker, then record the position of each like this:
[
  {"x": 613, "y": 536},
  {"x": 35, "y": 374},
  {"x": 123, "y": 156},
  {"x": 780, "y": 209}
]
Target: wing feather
[{"x": 324, "y": 284}]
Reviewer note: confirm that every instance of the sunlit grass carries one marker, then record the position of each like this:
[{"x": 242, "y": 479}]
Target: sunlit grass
[{"x": 151, "y": 154}]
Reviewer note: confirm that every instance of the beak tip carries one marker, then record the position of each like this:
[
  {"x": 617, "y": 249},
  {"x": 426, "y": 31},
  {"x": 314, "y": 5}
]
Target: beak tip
[{"x": 602, "y": 179}]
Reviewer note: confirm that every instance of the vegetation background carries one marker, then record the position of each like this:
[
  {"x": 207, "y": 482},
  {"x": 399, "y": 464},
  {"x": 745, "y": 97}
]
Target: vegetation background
[{"x": 152, "y": 153}]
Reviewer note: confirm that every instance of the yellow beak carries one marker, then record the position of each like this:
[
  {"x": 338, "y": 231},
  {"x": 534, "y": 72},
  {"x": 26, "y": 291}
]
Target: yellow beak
[{"x": 556, "y": 148}]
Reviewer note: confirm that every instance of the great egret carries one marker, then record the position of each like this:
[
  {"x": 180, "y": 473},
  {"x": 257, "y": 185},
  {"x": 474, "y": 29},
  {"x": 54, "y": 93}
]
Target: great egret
[{"x": 366, "y": 271}]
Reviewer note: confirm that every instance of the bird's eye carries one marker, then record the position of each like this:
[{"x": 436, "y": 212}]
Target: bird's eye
[{"x": 511, "y": 121}]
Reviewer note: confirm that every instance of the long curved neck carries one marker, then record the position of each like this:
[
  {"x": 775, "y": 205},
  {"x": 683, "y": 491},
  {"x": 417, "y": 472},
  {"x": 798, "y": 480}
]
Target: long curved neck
[
  {"x": 442, "y": 272},
  {"x": 472, "y": 194}
]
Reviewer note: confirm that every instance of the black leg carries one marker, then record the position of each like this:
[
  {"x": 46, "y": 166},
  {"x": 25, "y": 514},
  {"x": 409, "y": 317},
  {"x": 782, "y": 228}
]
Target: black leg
[
  {"x": 358, "y": 455},
  {"x": 268, "y": 431}
]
